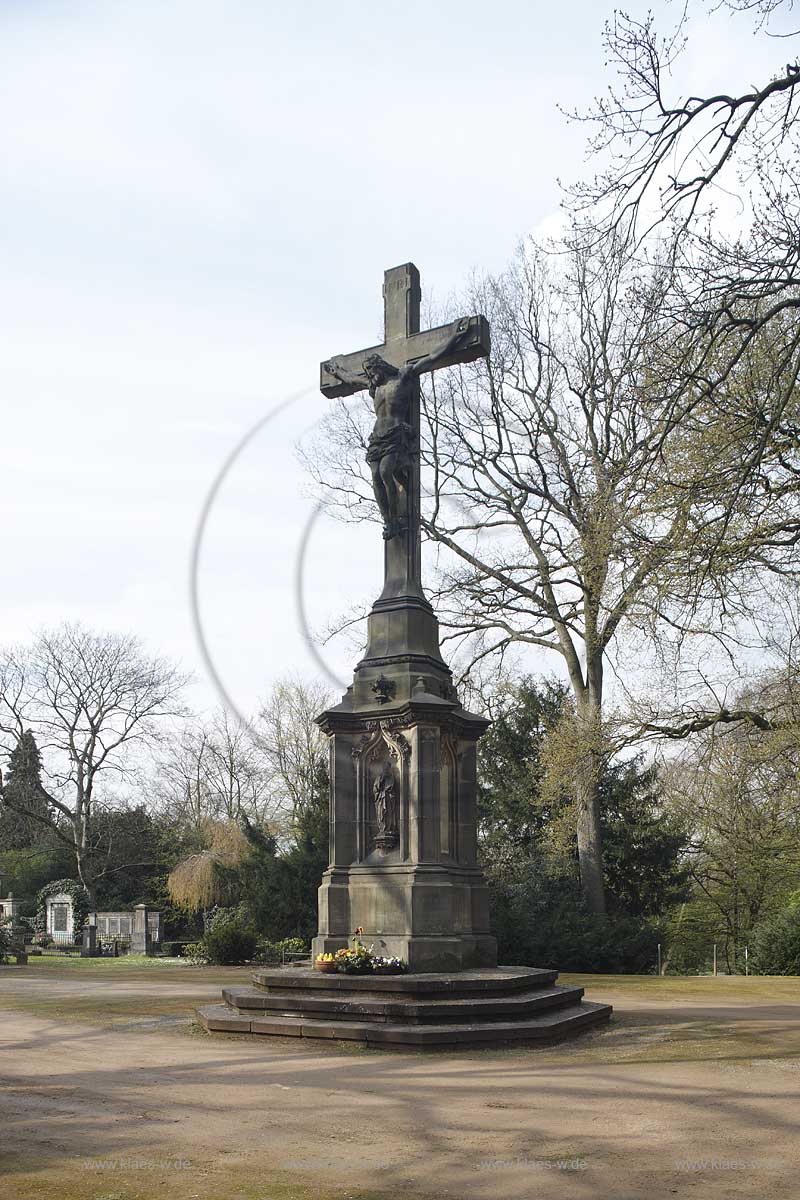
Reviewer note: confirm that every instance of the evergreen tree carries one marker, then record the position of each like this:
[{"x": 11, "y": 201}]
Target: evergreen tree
[
  {"x": 643, "y": 843},
  {"x": 529, "y": 847},
  {"x": 521, "y": 821},
  {"x": 511, "y": 811},
  {"x": 23, "y": 801},
  {"x": 280, "y": 885}
]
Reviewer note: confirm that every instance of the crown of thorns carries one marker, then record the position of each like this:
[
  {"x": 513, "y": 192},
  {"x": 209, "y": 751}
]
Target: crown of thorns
[{"x": 374, "y": 360}]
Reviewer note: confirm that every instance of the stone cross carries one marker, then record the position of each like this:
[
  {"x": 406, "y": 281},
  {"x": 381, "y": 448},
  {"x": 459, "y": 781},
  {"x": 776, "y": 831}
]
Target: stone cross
[{"x": 391, "y": 373}]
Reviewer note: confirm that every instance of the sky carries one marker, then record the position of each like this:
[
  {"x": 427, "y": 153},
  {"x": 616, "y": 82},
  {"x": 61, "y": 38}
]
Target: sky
[{"x": 198, "y": 203}]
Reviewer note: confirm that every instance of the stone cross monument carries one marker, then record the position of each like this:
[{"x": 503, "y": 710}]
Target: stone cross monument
[
  {"x": 403, "y": 864},
  {"x": 403, "y": 868}
]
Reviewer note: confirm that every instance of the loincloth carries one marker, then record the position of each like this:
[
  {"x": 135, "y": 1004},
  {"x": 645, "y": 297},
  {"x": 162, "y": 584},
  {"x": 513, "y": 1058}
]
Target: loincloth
[{"x": 398, "y": 441}]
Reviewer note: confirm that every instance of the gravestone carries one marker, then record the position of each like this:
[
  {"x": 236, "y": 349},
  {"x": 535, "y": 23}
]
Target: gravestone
[
  {"x": 89, "y": 946},
  {"x": 60, "y": 918},
  {"x": 10, "y": 906},
  {"x": 120, "y": 926},
  {"x": 10, "y": 910}
]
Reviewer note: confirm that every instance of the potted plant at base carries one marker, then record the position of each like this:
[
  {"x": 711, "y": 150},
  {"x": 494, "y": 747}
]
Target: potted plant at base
[{"x": 326, "y": 963}]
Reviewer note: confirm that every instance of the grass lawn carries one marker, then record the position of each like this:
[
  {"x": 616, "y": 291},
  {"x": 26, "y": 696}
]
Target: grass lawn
[
  {"x": 44, "y": 962},
  {"x": 692, "y": 987}
]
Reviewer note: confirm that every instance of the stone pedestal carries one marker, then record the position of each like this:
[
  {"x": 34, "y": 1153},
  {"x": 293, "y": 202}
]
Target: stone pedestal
[
  {"x": 403, "y": 843},
  {"x": 481, "y": 1007}
]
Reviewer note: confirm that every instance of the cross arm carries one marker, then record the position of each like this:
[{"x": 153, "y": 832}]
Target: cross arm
[
  {"x": 350, "y": 377},
  {"x": 447, "y": 351},
  {"x": 348, "y": 374},
  {"x": 474, "y": 343}
]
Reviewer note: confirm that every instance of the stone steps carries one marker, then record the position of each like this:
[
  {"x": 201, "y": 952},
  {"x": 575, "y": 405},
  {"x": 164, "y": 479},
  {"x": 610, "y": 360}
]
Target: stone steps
[
  {"x": 494, "y": 981},
  {"x": 410, "y": 1011},
  {"x": 547, "y": 1027},
  {"x": 483, "y": 1006}
]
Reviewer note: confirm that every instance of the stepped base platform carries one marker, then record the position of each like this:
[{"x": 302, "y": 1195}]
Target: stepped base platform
[{"x": 480, "y": 1007}]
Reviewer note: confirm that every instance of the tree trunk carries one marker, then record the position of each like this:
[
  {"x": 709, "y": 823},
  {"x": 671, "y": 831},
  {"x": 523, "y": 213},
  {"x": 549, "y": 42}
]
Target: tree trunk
[
  {"x": 81, "y": 860},
  {"x": 590, "y": 850},
  {"x": 587, "y": 789}
]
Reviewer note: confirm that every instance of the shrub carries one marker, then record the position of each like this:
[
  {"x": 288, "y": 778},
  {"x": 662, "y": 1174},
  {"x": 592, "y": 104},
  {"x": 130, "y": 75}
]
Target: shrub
[
  {"x": 6, "y": 942},
  {"x": 229, "y": 941},
  {"x": 540, "y": 921},
  {"x": 775, "y": 946},
  {"x": 195, "y": 952},
  {"x": 174, "y": 949},
  {"x": 268, "y": 951}
]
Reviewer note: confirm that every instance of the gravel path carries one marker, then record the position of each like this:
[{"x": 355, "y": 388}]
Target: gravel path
[{"x": 674, "y": 1098}]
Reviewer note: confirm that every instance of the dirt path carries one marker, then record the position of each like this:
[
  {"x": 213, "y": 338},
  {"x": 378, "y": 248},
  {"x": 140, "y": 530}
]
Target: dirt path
[{"x": 689, "y": 1096}]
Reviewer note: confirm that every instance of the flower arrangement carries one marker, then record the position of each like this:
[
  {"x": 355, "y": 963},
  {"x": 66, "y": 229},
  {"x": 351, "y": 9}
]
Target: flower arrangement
[
  {"x": 358, "y": 959},
  {"x": 355, "y": 961},
  {"x": 389, "y": 965}
]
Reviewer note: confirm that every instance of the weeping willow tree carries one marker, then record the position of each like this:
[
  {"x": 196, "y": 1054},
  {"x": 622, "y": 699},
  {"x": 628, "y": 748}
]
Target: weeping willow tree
[{"x": 209, "y": 877}]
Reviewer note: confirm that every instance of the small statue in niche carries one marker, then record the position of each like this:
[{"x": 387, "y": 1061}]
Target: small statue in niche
[{"x": 384, "y": 794}]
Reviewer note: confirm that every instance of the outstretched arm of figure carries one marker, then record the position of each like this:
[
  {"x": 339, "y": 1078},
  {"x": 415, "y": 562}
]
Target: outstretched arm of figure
[
  {"x": 431, "y": 360},
  {"x": 343, "y": 375}
]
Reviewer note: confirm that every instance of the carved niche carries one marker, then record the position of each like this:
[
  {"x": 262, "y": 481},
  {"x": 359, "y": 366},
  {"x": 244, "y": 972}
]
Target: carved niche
[
  {"x": 448, "y": 797},
  {"x": 384, "y": 802},
  {"x": 381, "y": 769}
]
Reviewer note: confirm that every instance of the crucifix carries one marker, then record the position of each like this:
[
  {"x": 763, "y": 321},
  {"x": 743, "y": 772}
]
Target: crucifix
[{"x": 391, "y": 372}]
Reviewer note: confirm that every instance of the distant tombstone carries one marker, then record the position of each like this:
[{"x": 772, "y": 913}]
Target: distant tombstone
[
  {"x": 9, "y": 913},
  {"x": 89, "y": 947},
  {"x": 122, "y": 926},
  {"x": 9, "y": 909},
  {"x": 155, "y": 927},
  {"x": 60, "y": 918},
  {"x": 140, "y": 934}
]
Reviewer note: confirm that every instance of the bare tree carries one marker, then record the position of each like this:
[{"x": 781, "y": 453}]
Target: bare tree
[
  {"x": 223, "y": 778},
  {"x": 90, "y": 700},
  {"x": 566, "y": 491},
  {"x": 216, "y": 769},
  {"x": 219, "y": 770},
  {"x": 295, "y": 747},
  {"x": 179, "y": 781},
  {"x": 672, "y": 164}
]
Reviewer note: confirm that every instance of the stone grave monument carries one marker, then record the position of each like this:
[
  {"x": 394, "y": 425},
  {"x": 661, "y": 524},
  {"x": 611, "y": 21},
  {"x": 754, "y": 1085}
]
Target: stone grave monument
[
  {"x": 403, "y": 840},
  {"x": 10, "y": 906}
]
